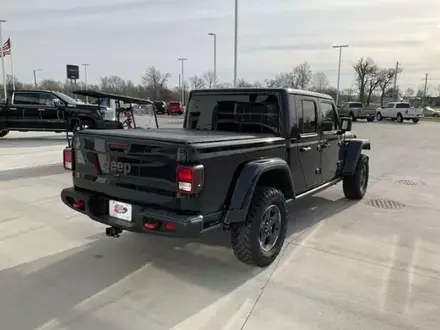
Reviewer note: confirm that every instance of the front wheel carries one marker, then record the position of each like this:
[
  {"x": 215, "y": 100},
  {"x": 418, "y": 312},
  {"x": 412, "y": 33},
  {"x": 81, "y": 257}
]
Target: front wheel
[
  {"x": 259, "y": 239},
  {"x": 3, "y": 133},
  {"x": 415, "y": 120},
  {"x": 355, "y": 185},
  {"x": 399, "y": 118},
  {"x": 379, "y": 116}
]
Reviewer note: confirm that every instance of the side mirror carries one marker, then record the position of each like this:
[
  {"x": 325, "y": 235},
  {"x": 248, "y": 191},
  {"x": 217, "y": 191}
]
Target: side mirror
[{"x": 345, "y": 124}]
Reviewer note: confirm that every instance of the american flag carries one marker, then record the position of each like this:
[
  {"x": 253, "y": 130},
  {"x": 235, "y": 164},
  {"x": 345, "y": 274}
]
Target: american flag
[{"x": 6, "y": 48}]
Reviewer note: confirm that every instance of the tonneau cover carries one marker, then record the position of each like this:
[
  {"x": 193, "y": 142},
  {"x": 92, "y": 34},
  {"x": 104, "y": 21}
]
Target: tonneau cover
[{"x": 176, "y": 135}]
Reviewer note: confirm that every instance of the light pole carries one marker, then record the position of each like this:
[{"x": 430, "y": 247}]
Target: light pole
[
  {"x": 85, "y": 65},
  {"x": 182, "y": 59},
  {"x": 339, "y": 70},
  {"x": 395, "y": 94},
  {"x": 215, "y": 56},
  {"x": 3, "y": 58},
  {"x": 35, "y": 76},
  {"x": 235, "y": 43}
]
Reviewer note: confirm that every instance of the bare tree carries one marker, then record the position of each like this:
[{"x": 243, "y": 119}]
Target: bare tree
[
  {"x": 386, "y": 79},
  {"x": 409, "y": 92},
  {"x": 349, "y": 92},
  {"x": 243, "y": 83},
  {"x": 320, "y": 82},
  {"x": 210, "y": 79},
  {"x": 282, "y": 80},
  {"x": 364, "y": 68},
  {"x": 196, "y": 82},
  {"x": 303, "y": 75},
  {"x": 372, "y": 84},
  {"x": 155, "y": 80},
  {"x": 112, "y": 84}
]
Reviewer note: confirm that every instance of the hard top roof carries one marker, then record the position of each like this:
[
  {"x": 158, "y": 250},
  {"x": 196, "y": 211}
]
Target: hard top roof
[{"x": 262, "y": 89}]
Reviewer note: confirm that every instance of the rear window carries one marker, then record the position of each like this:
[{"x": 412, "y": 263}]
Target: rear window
[
  {"x": 402, "y": 105},
  {"x": 355, "y": 105},
  {"x": 247, "y": 113}
]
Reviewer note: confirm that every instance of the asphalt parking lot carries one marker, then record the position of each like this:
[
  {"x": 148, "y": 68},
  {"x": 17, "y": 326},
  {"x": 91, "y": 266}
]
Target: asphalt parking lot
[{"x": 374, "y": 264}]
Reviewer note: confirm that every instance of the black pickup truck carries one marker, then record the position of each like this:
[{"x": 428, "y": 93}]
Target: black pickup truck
[
  {"x": 240, "y": 158},
  {"x": 41, "y": 110}
]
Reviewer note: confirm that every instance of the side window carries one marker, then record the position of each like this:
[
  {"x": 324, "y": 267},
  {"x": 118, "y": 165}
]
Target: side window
[
  {"x": 47, "y": 100},
  {"x": 388, "y": 106},
  {"x": 293, "y": 106},
  {"x": 308, "y": 117},
  {"x": 27, "y": 98},
  {"x": 329, "y": 118}
]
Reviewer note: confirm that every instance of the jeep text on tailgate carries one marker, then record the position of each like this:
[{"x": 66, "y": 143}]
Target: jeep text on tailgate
[{"x": 241, "y": 157}]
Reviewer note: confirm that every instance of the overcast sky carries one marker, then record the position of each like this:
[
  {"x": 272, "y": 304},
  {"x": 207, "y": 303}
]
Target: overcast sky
[{"x": 125, "y": 37}]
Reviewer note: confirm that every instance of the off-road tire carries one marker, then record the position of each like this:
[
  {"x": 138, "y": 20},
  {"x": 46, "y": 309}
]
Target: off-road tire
[
  {"x": 399, "y": 118},
  {"x": 415, "y": 120},
  {"x": 352, "y": 184},
  {"x": 379, "y": 116},
  {"x": 370, "y": 119},
  {"x": 245, "y": 235},
  {"x": 3, "y": 133}
]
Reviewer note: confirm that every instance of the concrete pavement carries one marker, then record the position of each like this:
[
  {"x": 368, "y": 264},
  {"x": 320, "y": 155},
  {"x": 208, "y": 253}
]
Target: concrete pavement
[{"x": 373, "y": 264}]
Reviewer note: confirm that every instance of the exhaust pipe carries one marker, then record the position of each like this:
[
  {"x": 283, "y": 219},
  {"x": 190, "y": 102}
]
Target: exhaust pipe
[{"x": 113, "y": 231}]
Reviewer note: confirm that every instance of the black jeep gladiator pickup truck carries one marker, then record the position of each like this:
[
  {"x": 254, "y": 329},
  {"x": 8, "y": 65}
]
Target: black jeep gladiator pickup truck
[
  {"x": 240, "y": 158},
  {"x": 41, "y": 110}
]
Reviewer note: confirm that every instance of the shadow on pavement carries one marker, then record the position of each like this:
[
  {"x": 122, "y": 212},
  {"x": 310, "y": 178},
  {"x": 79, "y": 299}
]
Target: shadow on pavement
[
  {"x": 163, "y": 279},
  {"x": 33, "y": 142}
]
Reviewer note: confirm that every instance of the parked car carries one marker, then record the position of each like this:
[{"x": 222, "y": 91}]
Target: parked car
[
  {"x": 355, "y": 110},
  {"x": 160, "y": 106},
  {"x": 399, "y": 111},
  {"x": 240, "y": 158},
  {"x": 430, "y": 112},
  {"x": 175, "y": 107},
  {"x": 43, "y": 110}
]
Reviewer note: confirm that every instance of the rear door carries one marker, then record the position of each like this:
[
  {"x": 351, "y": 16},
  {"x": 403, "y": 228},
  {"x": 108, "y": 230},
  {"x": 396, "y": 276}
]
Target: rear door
[
  {"x": 329, "y": 145},
  {"x": 307, "y": 142}
]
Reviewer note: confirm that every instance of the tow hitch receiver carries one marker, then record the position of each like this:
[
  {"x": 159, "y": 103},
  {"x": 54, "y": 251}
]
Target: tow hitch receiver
[{"x": 113, "y": 231}]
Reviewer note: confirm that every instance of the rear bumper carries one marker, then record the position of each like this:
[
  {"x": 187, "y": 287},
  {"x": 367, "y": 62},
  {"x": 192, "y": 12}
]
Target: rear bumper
[
  {"x": 412, "y": 116},
  {"x": 96, "y": 207}
]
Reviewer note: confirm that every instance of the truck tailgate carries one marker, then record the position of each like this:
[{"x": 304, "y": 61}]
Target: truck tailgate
[{"x": 127, "y": 166}]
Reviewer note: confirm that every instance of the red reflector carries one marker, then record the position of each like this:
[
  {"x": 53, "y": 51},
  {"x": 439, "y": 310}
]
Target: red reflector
[
  {"x": 184, "y": 174},
  {"x": 170, "y": 226},
  {"x": 78, "y": 204},
  {"x": 151, "y": 225}
]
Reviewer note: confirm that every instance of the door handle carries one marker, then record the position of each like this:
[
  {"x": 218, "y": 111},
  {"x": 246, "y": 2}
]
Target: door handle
[{"x": 305, "y": 149}]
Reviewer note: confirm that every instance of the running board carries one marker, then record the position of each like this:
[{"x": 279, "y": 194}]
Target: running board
[{"x": 317, "y": 189}]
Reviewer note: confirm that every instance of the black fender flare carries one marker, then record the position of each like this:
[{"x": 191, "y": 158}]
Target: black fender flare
[
  {"x": 247, "y": 182},
  {"x": 352, "y": 151}
]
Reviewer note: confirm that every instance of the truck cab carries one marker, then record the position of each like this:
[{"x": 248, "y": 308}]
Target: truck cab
[{"x": 400, "y": 111}]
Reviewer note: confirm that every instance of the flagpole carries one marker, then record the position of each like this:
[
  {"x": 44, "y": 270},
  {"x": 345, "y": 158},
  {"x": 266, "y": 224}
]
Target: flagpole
[
  {"x": 3, "y": 59},
  {"x": 12, "y": 65}
]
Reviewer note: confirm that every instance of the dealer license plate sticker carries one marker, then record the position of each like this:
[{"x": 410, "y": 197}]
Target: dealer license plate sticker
[{"x": 120, "y": 210}]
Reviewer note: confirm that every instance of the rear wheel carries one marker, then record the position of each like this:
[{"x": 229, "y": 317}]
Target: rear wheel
[
  {"x": 399, "y": 118},
  {"x": 4, "y": 132},
  {"x": 355, "y": 185},
  {"x": 415, "y": 120},
  {"x": 353, "y": 118},
  {"x": 259, "y": 239},
  {"x": 436, "y": 115}
]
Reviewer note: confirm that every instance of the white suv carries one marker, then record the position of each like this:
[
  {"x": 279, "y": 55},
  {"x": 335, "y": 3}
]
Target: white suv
[{"x": 399, "y": 111}]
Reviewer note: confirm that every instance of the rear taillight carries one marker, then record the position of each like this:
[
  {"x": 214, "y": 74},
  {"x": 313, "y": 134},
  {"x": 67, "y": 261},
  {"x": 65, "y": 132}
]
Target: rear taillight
[
  {"x": 190, "y": 179},
  {"x": 68, "y": 159}
]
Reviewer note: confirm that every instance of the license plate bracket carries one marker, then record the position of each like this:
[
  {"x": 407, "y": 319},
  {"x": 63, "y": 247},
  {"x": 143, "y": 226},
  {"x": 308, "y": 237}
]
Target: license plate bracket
[{"x": 120, "y": 210}]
